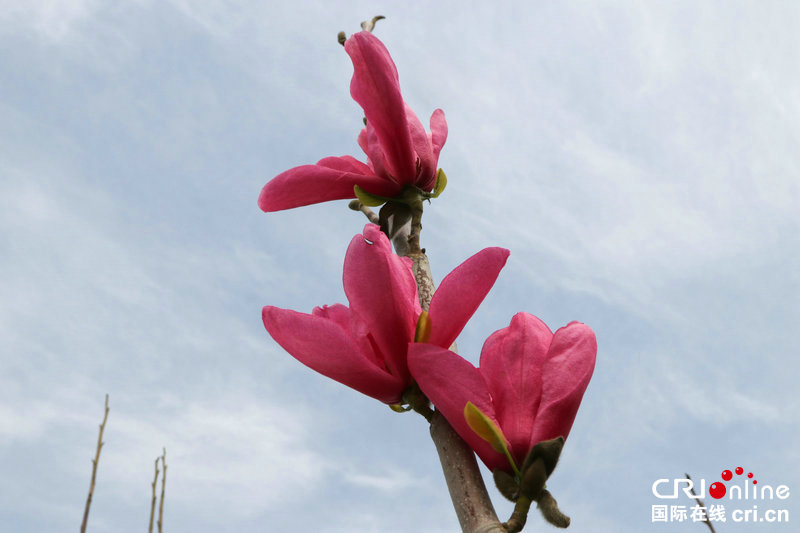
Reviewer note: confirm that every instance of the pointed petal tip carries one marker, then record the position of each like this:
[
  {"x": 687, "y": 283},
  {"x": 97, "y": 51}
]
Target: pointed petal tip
[{"x": 462, "y": 291}]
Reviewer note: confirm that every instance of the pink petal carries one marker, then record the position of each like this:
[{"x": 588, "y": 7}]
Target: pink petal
[
  {"x": 376, "y": 87},
  {"x": 368, "y": 141},
  {"x": 438, "y": 132},
  {"x": 354, "y": 327},
  {"x": 436, "y": 138},
  {"x": 565, "y": 376},
  {"x": 511, "y": 364},
  {"x": 346, "y": 163},
  {"x": 331, "y": 179},
  {"x": 426, "y": 173},
  {"x": 461, "y": 292},
  {"x": 381, "y": 290},
  {"x": 450, "y": 381},
  {"x": 337, "y": 313},
  {"x": 322, "y": 345}
]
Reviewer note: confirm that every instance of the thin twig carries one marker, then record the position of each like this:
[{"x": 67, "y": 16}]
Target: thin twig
[
  {"x": 355, "y": 205},
  {"x": 94, "y": 469},
  {"x": 701, "y": 504},
  {"x": 163, "y": 484},
  {"x": 153, "y": 501}
]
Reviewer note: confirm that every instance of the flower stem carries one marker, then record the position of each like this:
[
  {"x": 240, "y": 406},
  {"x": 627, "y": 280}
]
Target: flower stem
[{"x": 519, "y": 516}]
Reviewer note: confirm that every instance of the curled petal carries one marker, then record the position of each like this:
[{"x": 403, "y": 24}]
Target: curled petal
[
  {"x": 332, "y": 178},
  {"x": 450, "y": 381},
  {"x": 511, "y": 364},
  {"x": 383, "y": 293},
  {"x": 565, "y": 376},
  {"x": 461, "y": 292},
  {"x": 376, "y": 87},
  {"x": 323, "y": 345}
]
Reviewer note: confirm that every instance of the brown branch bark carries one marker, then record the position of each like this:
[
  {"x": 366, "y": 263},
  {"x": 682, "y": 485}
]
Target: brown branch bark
[
  {"x": 163, "y": 485},
  {"x": 701, "y": 504},
  {"x": 94, "y": 469},
  {"x": 153, "y": 501}
]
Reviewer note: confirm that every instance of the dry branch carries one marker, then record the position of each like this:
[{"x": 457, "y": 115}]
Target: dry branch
[
  {"x": 153, "y": 501},
  {"x": 94, "y": 469},
  {"x": 163, "y": 484},
  {"x": 701, "y": 504}
]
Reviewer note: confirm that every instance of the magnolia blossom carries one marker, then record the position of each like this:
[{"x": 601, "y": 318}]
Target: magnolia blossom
[
  {"x": 399, "y": 150},
  {"x": 364, "y": 346},
  {"x": 529, "y": 384}
]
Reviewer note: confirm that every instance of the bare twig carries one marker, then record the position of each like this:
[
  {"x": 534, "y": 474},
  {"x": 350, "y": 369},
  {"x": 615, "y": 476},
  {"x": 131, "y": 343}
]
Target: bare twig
[
  {"x": 701, "y": 504},
  {"x": 153, "y": 501},
  {"x": 94, "y": 469},
  {"x": 163, "y": 484},
  {"x": 355, "y": 205}
]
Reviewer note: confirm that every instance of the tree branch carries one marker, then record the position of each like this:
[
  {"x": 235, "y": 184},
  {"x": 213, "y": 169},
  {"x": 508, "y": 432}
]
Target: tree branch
[
  {"x": 701, "y": 504},
  {"x": 153, "y": 501},
  {"x": 94, "y": 470},
  {"x": 163, "y": 485}
]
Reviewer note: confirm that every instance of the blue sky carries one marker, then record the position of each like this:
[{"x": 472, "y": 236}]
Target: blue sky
[{"x": 640, "y": 161}]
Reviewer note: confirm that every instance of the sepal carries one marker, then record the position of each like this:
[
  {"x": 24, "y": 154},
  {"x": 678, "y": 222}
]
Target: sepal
[
  {"x": 485, "y": 428},
  {"x": 369, "y": 199},
  {"x": 548, "y": 451},
  {"x": 423, "y": 332},
  {"x": 506, "y": 484},
  {"x": 441, "y": 183}
]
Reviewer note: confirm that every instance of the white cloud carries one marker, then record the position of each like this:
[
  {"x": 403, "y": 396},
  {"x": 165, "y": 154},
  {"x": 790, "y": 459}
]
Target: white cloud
[
  {"x": 54, "y": 20},
  {"x": 390, "y": 481},
  {"x": 639, "y": 161}
]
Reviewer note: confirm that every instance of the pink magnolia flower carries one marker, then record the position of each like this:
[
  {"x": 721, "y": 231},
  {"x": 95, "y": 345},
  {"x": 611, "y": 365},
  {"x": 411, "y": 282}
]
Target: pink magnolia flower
[
  {"x": 364, "y": 346},
  {"x": 399, "y": 150},
  {"x": 529, "y": 384}
]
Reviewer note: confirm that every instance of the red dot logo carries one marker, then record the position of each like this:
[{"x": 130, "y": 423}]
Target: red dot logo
[
  {"x": 717, "y": 490},
  {"x": 750, "y": 474},
  {"x": 739, "y": 470},
  {"x": 727, "y": 475}
]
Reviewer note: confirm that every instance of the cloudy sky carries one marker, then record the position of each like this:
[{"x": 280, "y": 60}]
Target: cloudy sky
[{"x": 640, "y": 161}]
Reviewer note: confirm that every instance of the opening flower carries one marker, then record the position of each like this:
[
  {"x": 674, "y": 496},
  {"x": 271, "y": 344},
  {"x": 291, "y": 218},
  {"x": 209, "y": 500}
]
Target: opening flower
[
  {"x": 528, "y": 386},
  {"x": 365, "y": 345},
  {"x": 399, "y": 150}
]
